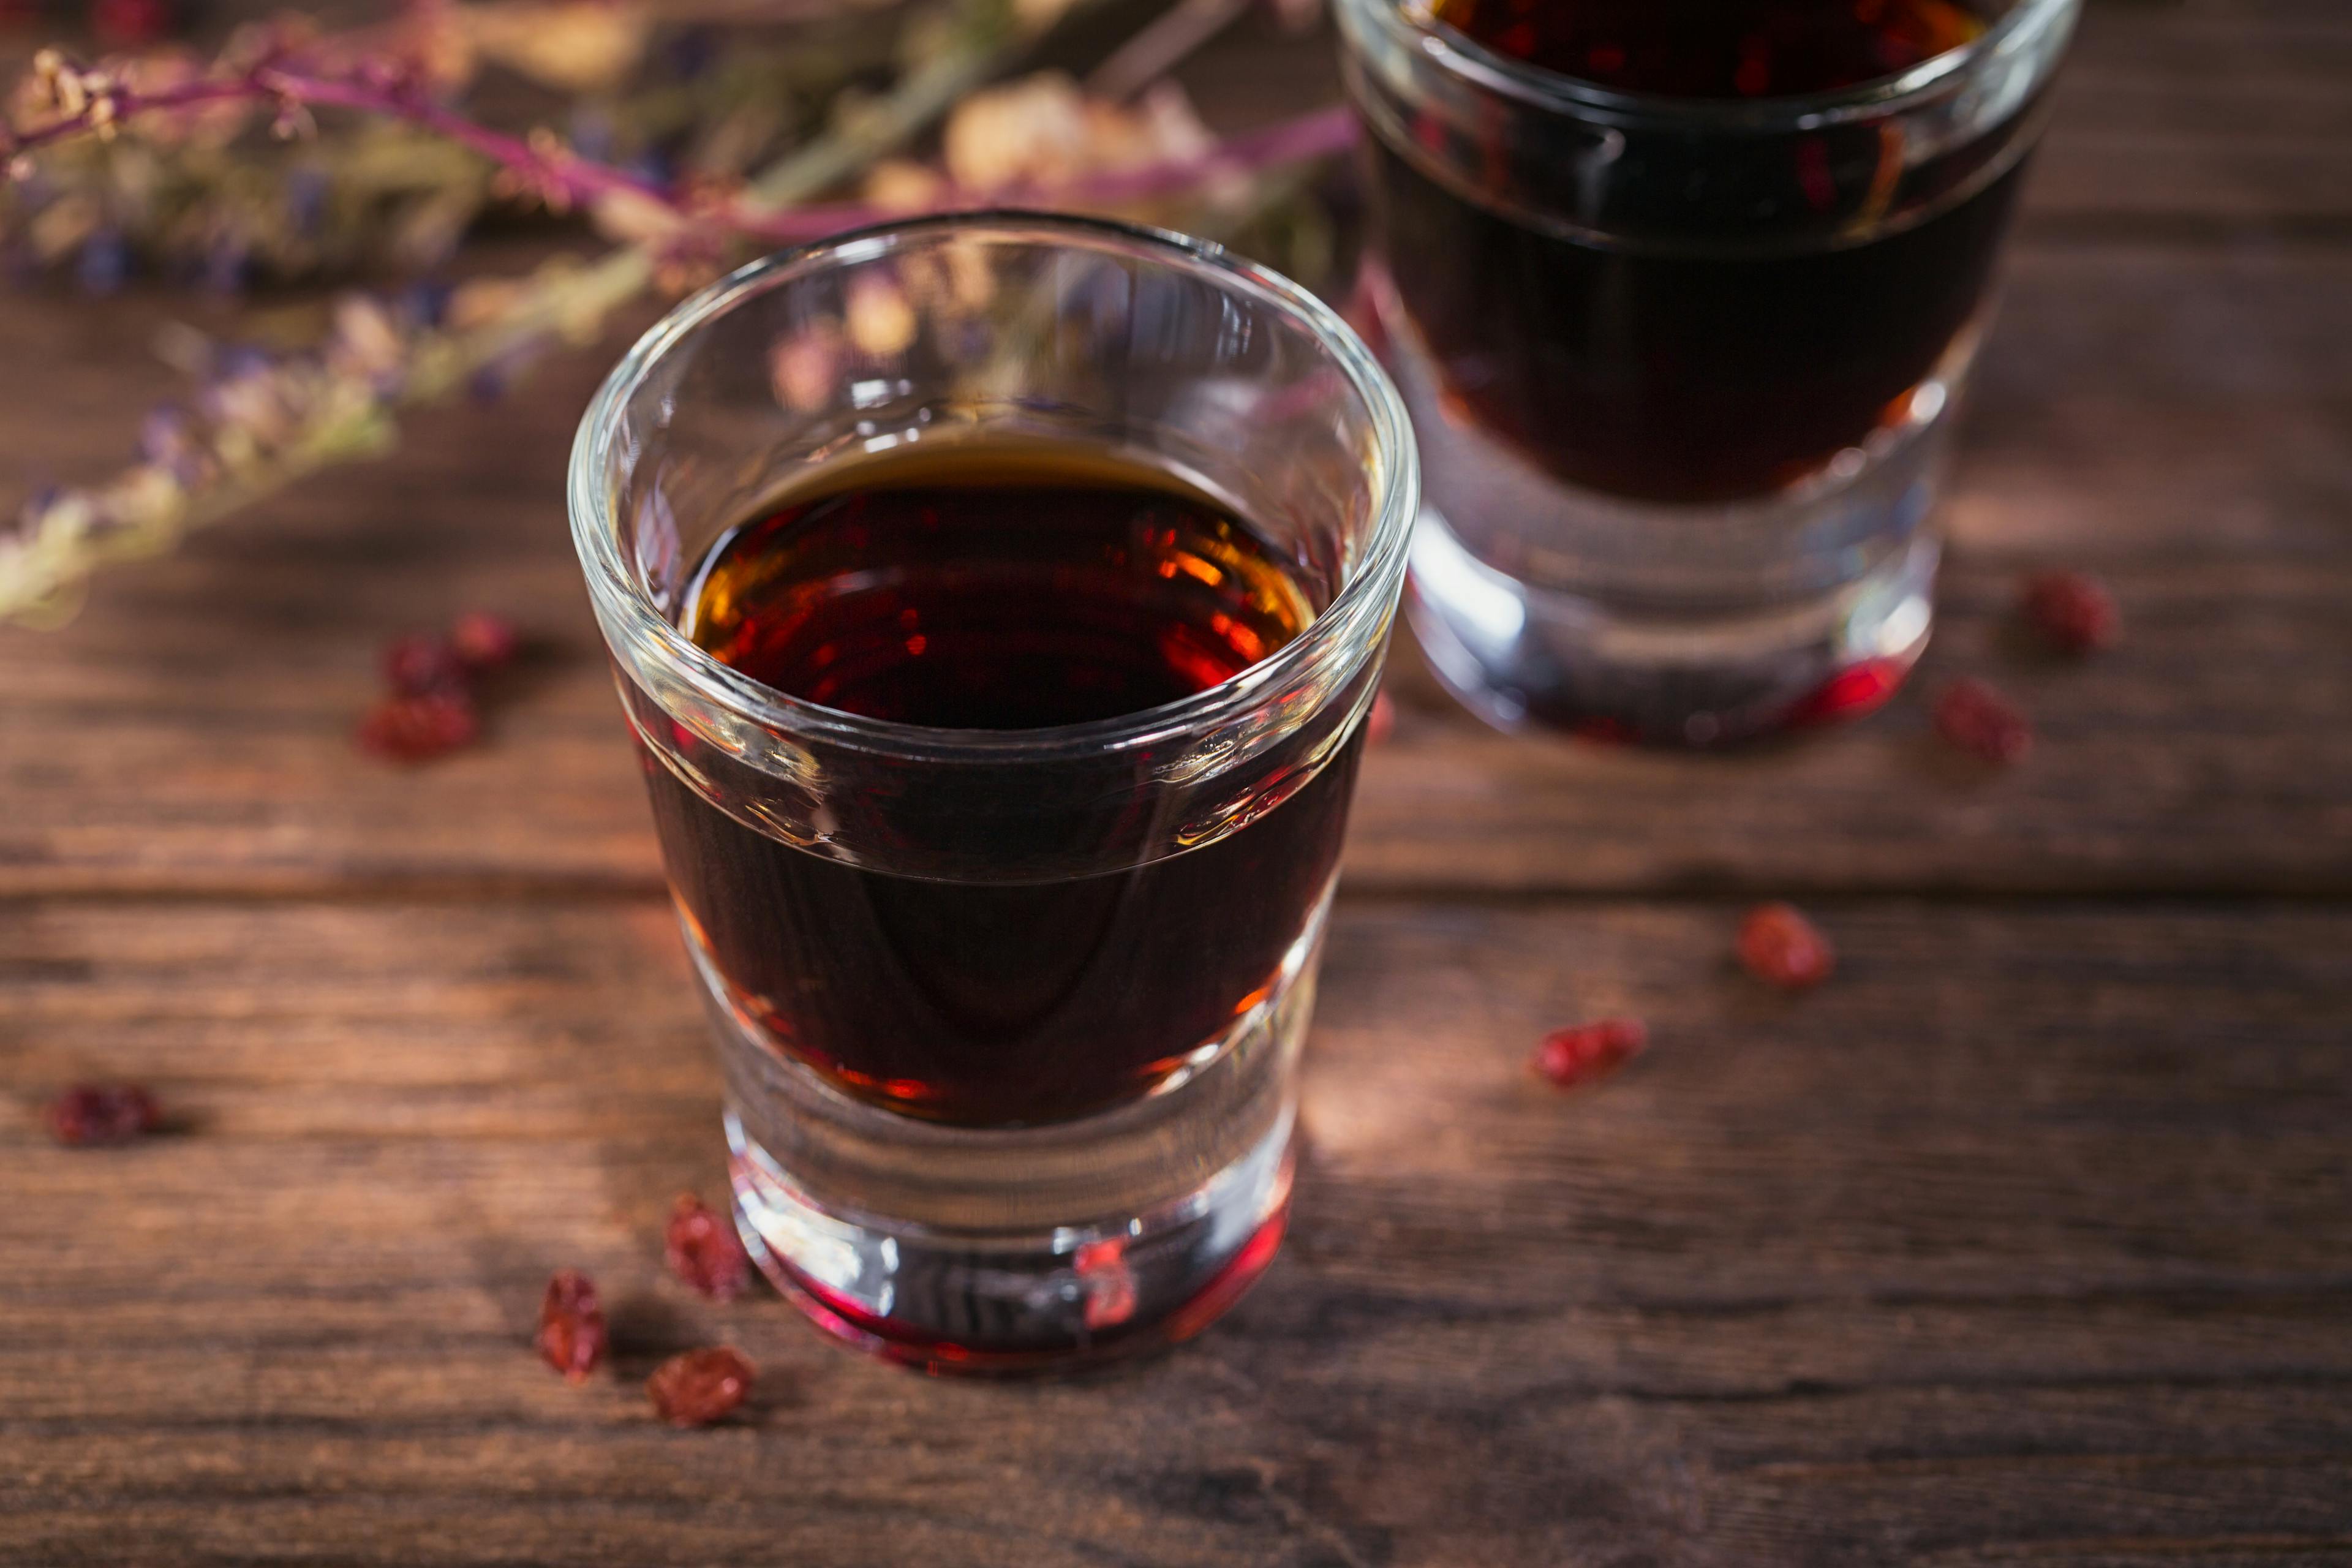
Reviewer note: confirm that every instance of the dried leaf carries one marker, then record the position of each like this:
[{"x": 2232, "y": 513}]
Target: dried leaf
[
  {"x": 632, "y": 217},
  {"x": 582, "y": 46},
  {"x": 484, "y": 299},
  {"x": 805, "y": 367},
  {"x": 901, "y": 184},
  {"x": 881, "y": 322},
  {"x": 1033, "y": 130},
  {"x": 1043, "y": 132},
  {"x": 1036, "y": 15}
]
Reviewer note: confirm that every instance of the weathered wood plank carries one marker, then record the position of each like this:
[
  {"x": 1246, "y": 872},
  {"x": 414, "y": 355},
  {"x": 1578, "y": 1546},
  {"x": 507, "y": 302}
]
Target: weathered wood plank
[
  {"x": 2201, "y": 113},
  {"x": 2178, "y": 420},
  {"x": 2026, "y": 1235},
  {"x": 2024, "y": 1241}
]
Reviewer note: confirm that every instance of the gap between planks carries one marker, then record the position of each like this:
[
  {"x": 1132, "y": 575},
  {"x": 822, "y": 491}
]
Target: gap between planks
[{"x": 435, "y": 889}]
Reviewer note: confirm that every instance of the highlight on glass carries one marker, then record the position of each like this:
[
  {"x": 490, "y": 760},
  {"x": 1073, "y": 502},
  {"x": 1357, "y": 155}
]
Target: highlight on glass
[{"x": 997, "y": 600}]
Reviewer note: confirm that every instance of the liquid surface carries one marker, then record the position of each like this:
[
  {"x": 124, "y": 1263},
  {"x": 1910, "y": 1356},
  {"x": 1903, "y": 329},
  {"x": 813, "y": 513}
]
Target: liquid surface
[
  {"x": 996, "y": 590},
  {"x": 1040, "y": 592},
  {"x": 1717, "y": 48}
]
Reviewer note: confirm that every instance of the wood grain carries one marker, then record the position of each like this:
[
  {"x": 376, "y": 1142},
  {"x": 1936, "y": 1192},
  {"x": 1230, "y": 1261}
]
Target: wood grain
[
  {"x": 2167, "y": 400},
  {"x": 2024, "y": 1241},
  {"x": 2026, "y": 1235},
  {"x": 2177, "y": 419}
]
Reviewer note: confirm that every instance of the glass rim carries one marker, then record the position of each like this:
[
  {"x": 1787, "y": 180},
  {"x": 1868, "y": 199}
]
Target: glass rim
[
  {"x": 1456, "y": 52},
  {"x": 617, "y": 596}
]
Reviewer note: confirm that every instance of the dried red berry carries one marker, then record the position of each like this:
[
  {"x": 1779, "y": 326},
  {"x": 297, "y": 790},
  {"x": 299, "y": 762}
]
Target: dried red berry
[
  {"x": 1781, "y": 947},
  {"x": 572, "y": 1325},
  {"x": 1381, "y": 722},
  {"x": 698, "y": 1388},
  {"x": 1602, "y": 730},
  {"x": 2072, "y": 609},
  {"x": 1585, "y": 1053},
  {"x": 418, "y": 729},
  {"x": 1108, "y": 1281},
  {"x": 128, "y": 24},
  {"x": 705, "y": 1251},
  {"x": 90, "y": 1115},
  {"x": 1982, "y": 722},
  {"x": 483, "y": 641},
  {"x": 419, "y": 665},
  {"x": 1857, "y": 689}
]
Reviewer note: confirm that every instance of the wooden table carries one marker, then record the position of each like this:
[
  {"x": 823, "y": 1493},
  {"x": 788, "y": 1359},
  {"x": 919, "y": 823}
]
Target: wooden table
[{"x": 2027, "y": 1239}]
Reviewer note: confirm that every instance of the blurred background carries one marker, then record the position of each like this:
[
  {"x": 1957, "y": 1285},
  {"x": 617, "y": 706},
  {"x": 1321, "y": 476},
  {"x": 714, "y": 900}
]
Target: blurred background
[{"x": 2022, "y": 1238}]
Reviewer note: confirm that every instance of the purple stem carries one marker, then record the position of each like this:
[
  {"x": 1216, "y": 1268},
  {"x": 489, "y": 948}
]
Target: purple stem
[
  {"x": 1318, "y": 134},
  {"x": 576, "y": 179}
]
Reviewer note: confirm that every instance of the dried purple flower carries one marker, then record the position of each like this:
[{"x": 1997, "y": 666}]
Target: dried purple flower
[
  {"x": 592, "y": 131},
  {"x": 366, "y": 342},
  {"x": 336, "y": 402},
  {"x": 306, "y": 199},
  {"x": 233, "y": 361},
  {"x": 425, "y": 303},
  {"x": 167, "y": 441},
  {"x": 104, "y": 263},
  {"x": 227, "y": 265}
]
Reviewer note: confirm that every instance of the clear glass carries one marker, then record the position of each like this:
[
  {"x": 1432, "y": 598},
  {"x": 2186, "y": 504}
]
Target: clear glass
[
  {"x": 1025, "y": 1242},
  {"x": 1683, "y": 370}
]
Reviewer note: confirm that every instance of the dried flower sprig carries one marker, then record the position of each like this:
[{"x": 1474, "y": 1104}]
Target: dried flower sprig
[
  {"x": 95, "y": 102},
  {"x": 259, "y": 426},
  {"x": 203, "y": 194}
]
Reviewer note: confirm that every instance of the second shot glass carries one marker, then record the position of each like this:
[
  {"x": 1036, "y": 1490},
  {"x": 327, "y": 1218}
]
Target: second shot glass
[{"x": 1684, "y": 367}]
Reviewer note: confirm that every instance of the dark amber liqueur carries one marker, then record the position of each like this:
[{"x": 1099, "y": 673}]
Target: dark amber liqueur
[{"x": 984, "y": 588}]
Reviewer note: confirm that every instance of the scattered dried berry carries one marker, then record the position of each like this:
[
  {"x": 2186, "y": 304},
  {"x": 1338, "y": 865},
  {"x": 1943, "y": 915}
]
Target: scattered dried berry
[
  {"x": 483, "y": 641},
  {"x": 1586, "y": 1053},
  {"x": 1604, "y": 731},
  {"x": 418, "y": 729},
  {"x": 91, "y": 1115},
  {"x": 2072, "y": 609},
  {"x": 422, "y": 665},
  {"x": 1851, "y": 692},
  {"x": 129, "y": 24},
  {"x": 572, "y": 1325},
  {"x": 1110, "y": 1283},
  {"x": 1981, "y": 721},
  {"x": 705, "y": 1251},
  {"x": 698, "y": 1388},
  {"x": 431, "y": 708},
  {"x": 1381, "y": 722},
  {"x": 1781, "y": 947}
]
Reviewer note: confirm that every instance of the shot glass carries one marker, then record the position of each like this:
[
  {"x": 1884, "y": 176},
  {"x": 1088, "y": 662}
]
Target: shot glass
[
  {"x": 1008, "y": 1019},
  {"x": 1684, "y": 369}
]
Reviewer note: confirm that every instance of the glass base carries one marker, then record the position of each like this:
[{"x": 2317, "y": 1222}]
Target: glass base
[
  {"x": 1008, "y": 1303},
  {"x": 1520, "y": 655},
  {"x": 1542, "y": 602},
  {"x": 1019, "y": 1248}
]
